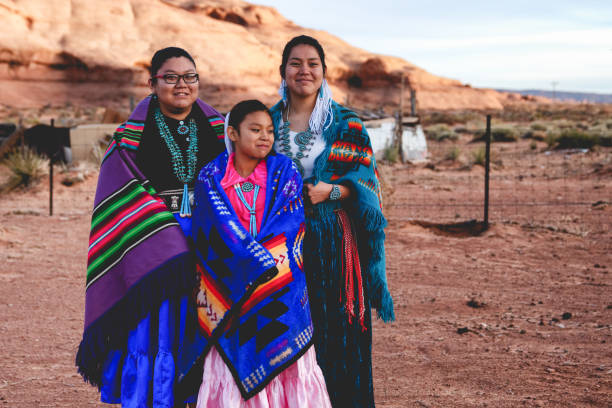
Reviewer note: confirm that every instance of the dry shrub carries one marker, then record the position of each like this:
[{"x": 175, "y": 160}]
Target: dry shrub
[
  {"x": 452, "y": 154},
  {"x": 26, "y": 166},
  {"x": 440, "y": 132},
  {"x": 498, "y": 134}
]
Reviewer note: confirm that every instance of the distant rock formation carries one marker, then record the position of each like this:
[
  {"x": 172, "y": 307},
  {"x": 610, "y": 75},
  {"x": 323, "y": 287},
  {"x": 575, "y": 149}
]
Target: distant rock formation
[{"x": 97, "y": 53}]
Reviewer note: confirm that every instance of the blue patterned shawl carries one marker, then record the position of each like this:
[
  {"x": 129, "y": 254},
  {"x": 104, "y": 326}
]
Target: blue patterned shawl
[
  {"x": 252, "y": 300},
  {"x": 348, "y": 159}
]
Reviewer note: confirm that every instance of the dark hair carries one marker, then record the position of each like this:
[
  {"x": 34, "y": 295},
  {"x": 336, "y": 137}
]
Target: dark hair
[
  {"x": 299, "y": 40},
  {"x": 241, "y": 109},
  {"x": 164, "y": 55}
]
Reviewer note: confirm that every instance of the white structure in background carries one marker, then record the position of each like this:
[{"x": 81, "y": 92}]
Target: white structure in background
[
  {"x": 85, "y": 138},
  {"x": 382, "y": 131}
]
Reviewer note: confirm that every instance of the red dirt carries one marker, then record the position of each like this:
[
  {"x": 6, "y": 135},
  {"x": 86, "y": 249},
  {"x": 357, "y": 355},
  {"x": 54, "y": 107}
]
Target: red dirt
[{"x": 516, "y": 348}]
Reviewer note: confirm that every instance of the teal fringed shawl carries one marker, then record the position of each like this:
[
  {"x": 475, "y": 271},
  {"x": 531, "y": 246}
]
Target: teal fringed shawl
[{"x": 348, "y": 159}]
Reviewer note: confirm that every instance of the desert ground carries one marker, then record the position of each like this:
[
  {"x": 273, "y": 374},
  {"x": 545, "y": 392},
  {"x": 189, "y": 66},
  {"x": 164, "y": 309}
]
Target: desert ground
[{"x": 517, "y": 315}]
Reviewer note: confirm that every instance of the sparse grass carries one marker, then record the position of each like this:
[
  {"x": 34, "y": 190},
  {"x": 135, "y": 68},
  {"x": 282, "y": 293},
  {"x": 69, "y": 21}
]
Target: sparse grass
[
  {"x": 440, "y": 132},
  {"x": 97, "y": 153},
  {"x": 448, "y": 118},
  {"x": 452, "y": 154},
  {"x": 549, "y": 112},
  {"x": 577, "y": 139},
  {"x": 551, "y": 139},
  {"x": 538, "y": 127},
  {"x": 479, "y": 156},
  {"x": 498, "y": 134},
  {"x": 391, "y": 154},
  {"x": 26, "y": 166},
  {"x": 535, "y": 135}
]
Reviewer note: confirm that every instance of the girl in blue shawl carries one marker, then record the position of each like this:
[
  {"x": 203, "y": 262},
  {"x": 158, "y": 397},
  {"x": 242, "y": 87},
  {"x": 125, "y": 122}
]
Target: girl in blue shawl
[
  {"x": 252, "y": 303},
  {"x": 344, "y": 258}
]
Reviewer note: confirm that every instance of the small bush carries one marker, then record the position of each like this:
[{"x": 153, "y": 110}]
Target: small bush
[
  {"x": 535, "y": 135},
  {"x": 582, "y": 126},
  {"x": 574, "y": 139},
  {"x": 26, "y": 166},
  {"x": 551, "y": 138},
  {"x": 564, "y": 124},
  {"x": 448, "y": 118},
  {"x": 479, "y": 156},
  {"x": 440, "y": 132},
  {"x": 452, "y": 154},
  {"x": 538, "y": 126},
  {"x": 391, "y": 154},
  {"x": 498, "y": 134},
  {"x": 533, "y": 145},
  {"x": 97, "y": 153}
]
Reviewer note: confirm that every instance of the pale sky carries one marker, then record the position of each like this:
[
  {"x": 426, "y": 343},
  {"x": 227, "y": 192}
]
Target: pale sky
[{"x": 520, "y": 44}]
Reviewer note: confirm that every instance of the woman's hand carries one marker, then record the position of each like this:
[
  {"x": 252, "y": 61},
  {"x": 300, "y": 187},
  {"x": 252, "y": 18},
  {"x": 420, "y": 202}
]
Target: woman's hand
[{"x": 320, "y": 192}]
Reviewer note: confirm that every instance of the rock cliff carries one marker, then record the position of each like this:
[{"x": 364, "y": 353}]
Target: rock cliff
[{"x": 96, "y": 53}]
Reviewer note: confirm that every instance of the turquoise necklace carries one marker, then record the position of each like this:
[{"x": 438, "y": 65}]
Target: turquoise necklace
[
  {"x": 303, "y": 140},
  {"x": 184, "y": 172},
  {"x": 246, "y": 187}
]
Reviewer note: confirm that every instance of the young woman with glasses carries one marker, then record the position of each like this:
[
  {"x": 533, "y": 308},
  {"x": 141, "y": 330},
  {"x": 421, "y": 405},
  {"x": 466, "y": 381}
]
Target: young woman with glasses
[{"x": 140, "y": 328}]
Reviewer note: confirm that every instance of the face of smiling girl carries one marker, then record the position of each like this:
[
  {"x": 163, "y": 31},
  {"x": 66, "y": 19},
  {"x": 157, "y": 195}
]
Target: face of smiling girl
[{"x": 254, "y": 138}]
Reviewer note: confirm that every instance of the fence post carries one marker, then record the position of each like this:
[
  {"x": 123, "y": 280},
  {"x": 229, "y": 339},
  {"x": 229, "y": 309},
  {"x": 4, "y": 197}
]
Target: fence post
[
  {"x": 400, "y": 121},
  {"x": 51, "y": 172},
  {"x": 487, "y": 170}
]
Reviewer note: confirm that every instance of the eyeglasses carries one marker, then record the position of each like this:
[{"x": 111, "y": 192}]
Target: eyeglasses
[{"x": 172, "y": 79}]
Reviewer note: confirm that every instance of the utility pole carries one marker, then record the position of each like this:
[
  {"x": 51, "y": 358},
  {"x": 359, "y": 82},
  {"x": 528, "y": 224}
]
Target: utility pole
[{"x": 554, "y": 86}]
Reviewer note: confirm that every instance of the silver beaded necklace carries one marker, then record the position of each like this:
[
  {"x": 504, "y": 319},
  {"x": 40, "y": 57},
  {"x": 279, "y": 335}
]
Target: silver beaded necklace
[{"x": 303, "y": 140}]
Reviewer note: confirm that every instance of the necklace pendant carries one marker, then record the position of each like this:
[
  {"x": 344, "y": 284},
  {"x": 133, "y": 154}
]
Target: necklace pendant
[
  {"x": 182, "y": 129},
  {"x": 247, "y": 186}
]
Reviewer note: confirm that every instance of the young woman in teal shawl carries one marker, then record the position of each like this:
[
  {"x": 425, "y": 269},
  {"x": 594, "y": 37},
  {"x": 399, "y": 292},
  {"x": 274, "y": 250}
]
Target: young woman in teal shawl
[
  {"x": 140, "y": 327},
  {"x": 344, "y": 258}
]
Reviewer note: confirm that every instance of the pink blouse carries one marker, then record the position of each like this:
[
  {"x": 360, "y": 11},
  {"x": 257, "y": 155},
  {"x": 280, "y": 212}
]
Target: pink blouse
[{"x": 257, "y": 177}]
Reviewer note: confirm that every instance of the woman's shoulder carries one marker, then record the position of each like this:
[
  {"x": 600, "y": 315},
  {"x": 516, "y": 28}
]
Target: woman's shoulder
[
  {"x": 277, "y": 107},
  {"x": 278, "y": 159},
  {"x": 276, "y": 111},
  {"x": 344, "y": 114},
  {"x": 208, "y": 110}
]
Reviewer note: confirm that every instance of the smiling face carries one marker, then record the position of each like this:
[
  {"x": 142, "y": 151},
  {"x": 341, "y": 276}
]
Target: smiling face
[
  {"x": 175, "y": 100},
  {"x": 304, "y": 71},
  {"x": 254, "y": 138}
]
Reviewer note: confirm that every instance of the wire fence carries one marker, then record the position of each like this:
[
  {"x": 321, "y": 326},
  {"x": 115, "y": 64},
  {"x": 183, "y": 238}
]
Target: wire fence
[{"x": 530, "y": 185}]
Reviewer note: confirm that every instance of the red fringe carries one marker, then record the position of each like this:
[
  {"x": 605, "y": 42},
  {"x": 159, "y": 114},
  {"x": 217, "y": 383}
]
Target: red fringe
[{"x": 351, "y": 267}]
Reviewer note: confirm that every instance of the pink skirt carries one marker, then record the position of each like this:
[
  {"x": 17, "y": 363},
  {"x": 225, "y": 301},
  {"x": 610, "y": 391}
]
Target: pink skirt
[{"x": 301, "y": 385}]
